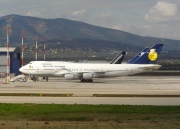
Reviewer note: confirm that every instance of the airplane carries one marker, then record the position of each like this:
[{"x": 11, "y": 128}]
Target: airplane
[
  {"x": 140, "y": 58},
  {"x": 86, "y": 72},
  {"x": 133, "y": 60},
  {"x": 119, "y": 58}
]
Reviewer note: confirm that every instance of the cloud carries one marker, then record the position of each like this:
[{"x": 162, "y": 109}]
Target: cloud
[
  {"x": 107, "y": 16},
  {"x": 2, "y": 14},
  {"x": 104, "y": 19},
  {"x": 80, "y": 15},
  {"x": 162, "y": 12},
  {"x": 153, "y": 30},
  {"x": 79, "y": 12},
  {"x": 33, "y": 12},
  {"x": 121, "y": 27}
]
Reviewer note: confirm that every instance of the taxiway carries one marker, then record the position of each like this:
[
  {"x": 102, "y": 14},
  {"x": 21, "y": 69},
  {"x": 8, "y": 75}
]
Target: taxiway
[{"x": 136, "y": 85}]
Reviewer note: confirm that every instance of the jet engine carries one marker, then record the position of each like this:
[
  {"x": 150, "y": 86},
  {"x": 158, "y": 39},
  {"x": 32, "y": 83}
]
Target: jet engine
[
  {"x": 87, "y": 76},
  {"x": 71, "y": 76}
]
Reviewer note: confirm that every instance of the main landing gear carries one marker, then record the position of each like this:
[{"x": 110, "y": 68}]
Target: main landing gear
[
  {"x": 45, "y": 78},
  {"x": 86, "y": 80},
  {"x": 35, "y": 79}
]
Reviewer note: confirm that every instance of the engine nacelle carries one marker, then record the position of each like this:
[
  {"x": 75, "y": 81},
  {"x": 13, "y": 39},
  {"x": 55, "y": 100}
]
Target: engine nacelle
[
  {"x": 87, "y": 75},
  {"x": 71, "y": 76}
]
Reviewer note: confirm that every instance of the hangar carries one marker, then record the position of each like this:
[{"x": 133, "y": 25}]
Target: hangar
[{"x": 15, "y": 60}]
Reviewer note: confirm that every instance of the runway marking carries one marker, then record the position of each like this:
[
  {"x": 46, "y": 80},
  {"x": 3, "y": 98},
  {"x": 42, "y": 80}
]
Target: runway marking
[
  {"x": 127, "y": 86},
  {"x": 176, "y": 86},
  {"x": 153, "y": 86}
]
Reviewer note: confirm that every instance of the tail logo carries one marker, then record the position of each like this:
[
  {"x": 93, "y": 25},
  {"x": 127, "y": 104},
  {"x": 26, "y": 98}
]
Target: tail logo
[{"x": 152, "y": 55}]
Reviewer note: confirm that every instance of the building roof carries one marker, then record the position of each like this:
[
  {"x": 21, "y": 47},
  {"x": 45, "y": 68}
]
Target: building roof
[{"x": 11, "y": 49}]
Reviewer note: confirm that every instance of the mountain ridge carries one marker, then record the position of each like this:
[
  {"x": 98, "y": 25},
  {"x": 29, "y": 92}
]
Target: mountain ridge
[{"x": 63, "y": 28}]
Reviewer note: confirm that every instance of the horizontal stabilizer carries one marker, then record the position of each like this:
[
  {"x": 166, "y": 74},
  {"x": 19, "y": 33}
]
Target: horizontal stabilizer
[{"x": 149, "y": 68}]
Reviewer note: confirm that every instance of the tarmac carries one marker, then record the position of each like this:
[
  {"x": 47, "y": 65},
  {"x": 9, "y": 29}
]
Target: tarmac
[
  {"x": 152, "y": 85},
  {"x": 141, "y": 90}
]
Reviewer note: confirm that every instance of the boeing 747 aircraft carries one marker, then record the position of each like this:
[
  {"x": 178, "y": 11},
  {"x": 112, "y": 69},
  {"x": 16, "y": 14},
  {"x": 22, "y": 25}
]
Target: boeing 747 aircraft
[{"x": 86, "y": 72}]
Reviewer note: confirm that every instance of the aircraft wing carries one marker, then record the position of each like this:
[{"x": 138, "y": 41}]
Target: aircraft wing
[
  {"x": 67, "y": 71},
  {"x": 152, "y": 67},
  {"x": 63, "y": 71}
]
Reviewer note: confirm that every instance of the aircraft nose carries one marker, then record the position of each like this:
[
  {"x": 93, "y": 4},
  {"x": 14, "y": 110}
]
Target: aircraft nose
[{"x": 21, "y": 69}]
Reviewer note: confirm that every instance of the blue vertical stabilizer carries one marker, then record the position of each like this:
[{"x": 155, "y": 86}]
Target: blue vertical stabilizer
[{"x": 147, "y": 55}]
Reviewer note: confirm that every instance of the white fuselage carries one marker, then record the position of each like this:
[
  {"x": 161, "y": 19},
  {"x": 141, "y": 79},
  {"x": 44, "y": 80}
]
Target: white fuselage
[{"x": 60, "y": 69}]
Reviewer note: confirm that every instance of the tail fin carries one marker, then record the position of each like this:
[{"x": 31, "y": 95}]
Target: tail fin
[
  {"x": 138, "y": 55},
  {"x": 147, "y": 56},
  {"x": 119, "y": 58}
]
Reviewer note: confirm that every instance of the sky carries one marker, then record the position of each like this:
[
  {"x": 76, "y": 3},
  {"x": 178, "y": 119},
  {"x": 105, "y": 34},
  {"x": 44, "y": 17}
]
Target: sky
[{"x": 155, "y": 18}]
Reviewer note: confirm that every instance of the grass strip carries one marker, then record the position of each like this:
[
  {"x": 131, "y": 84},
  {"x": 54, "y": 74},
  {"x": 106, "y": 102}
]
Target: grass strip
[
  {"x": 62, "y": 112},
  {"x": 94, "y": 95},
  {"x": 133, "y": 95},
  {"x": 36, "y": 94}
]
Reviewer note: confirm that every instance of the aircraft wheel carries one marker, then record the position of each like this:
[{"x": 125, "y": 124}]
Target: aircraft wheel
[
  {"x": 33, "y": 78},
  {"x": 83, "y": 80},
  {"x": 86, "y": 80},
  {"x": 89, "y": 80},
  {"x": 24, "y": 80}
]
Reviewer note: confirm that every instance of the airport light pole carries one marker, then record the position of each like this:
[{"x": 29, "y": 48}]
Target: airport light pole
[
  {"x": 8, "y": 57},
  {"x": 22, "y": 49},
  {"x": 36, "y": 48},
  {"x": 44, "y": 49}
]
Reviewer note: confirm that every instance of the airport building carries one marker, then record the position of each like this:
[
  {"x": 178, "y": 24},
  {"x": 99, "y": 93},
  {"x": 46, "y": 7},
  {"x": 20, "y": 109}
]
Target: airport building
[{"x": 15, "y": 60}]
